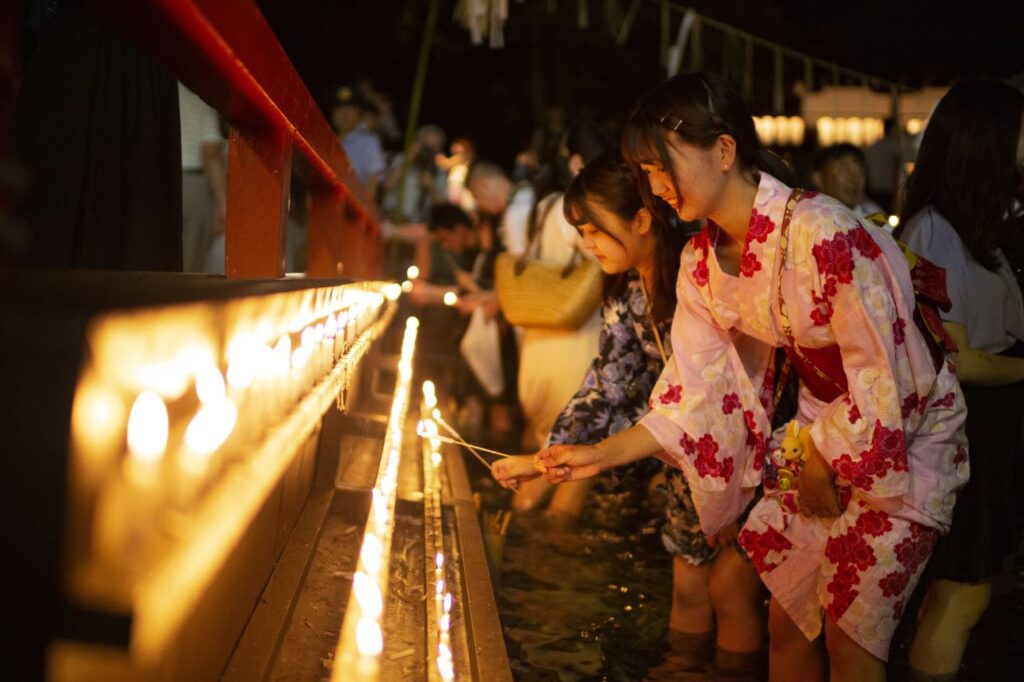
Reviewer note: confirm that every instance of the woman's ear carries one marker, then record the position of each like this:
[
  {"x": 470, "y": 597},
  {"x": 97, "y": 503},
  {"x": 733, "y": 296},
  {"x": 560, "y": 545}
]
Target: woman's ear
[
  {"x": 642, "y": 221},
  {"x": 575, "y": 164},
  {"x": 726, "y": 149}
]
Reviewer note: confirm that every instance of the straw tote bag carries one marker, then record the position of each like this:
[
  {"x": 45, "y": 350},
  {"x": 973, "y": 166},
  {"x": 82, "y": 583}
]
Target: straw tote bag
[{"x": 535, "y": 294}]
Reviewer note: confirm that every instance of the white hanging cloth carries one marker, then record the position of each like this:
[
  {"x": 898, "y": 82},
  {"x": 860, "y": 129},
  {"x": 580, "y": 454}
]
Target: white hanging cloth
[
  {"x": 676, "y": 52},
  {"x": 483, "y": 19}
]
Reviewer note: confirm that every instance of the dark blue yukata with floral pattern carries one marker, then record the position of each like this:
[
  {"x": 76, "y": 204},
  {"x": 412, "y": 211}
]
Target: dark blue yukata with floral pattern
[
  {"x": 618, "y": 383},
  {"x": 614, "y": 395}
]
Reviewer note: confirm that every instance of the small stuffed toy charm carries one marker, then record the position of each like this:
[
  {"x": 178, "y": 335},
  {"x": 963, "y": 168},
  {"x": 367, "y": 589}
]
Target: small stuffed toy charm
[
  {"x": 792, "y": 453},
  {"x": 792, "y": 448},
  {"x": 783, "y": 477}
]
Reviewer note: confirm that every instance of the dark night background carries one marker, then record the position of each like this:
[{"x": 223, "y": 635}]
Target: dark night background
[{"x": 486, "y": 93}]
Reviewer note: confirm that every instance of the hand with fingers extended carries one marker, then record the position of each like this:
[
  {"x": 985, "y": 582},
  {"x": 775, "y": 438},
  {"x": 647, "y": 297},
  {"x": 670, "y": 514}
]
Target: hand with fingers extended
[
  {"x": 816, "y": 483},
  {"x": 562, "y": 463},
  {"x": 511, "y": 471}
]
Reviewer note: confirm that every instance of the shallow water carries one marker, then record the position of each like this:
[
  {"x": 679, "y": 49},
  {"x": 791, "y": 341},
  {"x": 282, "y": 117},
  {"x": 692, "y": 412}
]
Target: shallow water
[{"x": 590, "y": 601}]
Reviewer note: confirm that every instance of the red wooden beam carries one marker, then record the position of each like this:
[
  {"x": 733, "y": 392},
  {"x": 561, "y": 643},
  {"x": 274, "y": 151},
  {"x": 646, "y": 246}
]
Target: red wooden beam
[
  {"x": 259, "y": 177},
  {"x": 224, "y": 51}
]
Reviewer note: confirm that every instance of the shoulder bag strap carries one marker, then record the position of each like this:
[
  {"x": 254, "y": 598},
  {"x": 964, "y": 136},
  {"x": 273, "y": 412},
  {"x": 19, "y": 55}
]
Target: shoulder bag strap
[
  {"x": 787, "y": 329},
  {"x": 536, "y": 232}
]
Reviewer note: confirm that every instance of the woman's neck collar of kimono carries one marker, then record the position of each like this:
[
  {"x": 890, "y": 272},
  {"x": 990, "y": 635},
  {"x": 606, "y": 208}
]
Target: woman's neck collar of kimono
[
  {"x": 647, "y": 268},
  {"x": 736, "y": 202}
]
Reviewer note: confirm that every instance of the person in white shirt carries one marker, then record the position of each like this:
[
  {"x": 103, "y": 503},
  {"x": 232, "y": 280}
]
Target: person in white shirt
[
  {"x": 203, "y": 179},
  {"x": 552, "y": 362}
]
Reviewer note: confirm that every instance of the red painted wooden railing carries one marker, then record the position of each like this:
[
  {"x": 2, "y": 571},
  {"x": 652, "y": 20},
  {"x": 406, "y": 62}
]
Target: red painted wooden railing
[{"x": 225, "y": 52}]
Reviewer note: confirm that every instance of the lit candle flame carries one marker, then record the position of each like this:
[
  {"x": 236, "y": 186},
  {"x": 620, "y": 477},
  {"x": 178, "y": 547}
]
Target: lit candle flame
[
  {"x": 371, "y": 553},
  {"x": 98, "y": 416},
  {"x": 147, "y": 427},
  {"x": 243, "y": 360},
  {"x": 444, "y": 662},
  {"x": 210, "y": 427},
  {"x": 429, "y": 395},
  {"x": 369, "y": 638},
  {"x": 308, "y": 337},
  {"x": 426, "y": 429},
  {"x": 367, "y": 593},
  {"x": 450, "y": 298},
  {"x": 209, "y": 385},
  {"x": 413, "y": 272}
]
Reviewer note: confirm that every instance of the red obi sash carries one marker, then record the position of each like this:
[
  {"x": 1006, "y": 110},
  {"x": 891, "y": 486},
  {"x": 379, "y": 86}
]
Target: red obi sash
[
  {"x": 930, "y": 290},
  {"x": 811, "y": 363}
]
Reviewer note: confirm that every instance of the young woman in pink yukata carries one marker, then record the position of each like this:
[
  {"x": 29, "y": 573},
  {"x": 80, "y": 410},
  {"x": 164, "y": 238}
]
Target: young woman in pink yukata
[{"x": 842, "y": 550}]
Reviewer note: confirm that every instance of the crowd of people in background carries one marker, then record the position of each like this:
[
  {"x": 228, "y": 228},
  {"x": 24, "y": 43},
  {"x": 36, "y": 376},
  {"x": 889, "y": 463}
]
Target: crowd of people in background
[{"x": 899, "y": 464}]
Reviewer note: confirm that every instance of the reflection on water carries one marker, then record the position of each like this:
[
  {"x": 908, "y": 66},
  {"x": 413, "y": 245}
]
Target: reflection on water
[{"x": 589, "y": 601}]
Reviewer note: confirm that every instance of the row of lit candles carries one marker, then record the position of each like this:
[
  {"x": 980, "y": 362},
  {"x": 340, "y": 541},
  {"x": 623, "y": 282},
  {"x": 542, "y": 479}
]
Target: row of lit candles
[
  {"x": 440, "y": 619},
  {"x": 260, "y": 385},
  {"x": 176, "y": 440},
  {"x": 362, "y": 640}
]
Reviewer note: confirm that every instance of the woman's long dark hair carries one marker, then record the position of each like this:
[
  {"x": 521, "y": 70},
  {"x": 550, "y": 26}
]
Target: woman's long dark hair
[
  {"x": 612, "y": 183},
  {"x": 699, "y": 107},
  {"x": 966, "y": 168}
]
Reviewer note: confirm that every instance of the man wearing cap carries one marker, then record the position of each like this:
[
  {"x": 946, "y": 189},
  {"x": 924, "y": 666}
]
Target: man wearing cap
[{"x": 361, "y": 144}]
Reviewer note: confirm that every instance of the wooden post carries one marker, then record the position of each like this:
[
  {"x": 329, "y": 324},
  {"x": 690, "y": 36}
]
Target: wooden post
[
  {"x": 362, "y": 249},
  {"x": 339, "y": 242},
  {"x": 325, "y": 227},
  {"x": 259, "y": 179}
]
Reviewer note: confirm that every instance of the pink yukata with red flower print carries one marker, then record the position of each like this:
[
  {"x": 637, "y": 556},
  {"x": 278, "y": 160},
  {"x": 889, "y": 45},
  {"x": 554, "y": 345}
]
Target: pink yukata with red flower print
[{"x": 895, "y": 438}]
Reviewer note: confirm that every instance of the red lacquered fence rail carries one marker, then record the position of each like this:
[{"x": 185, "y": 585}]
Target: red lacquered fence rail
[{"x": 225, "y": 52}]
